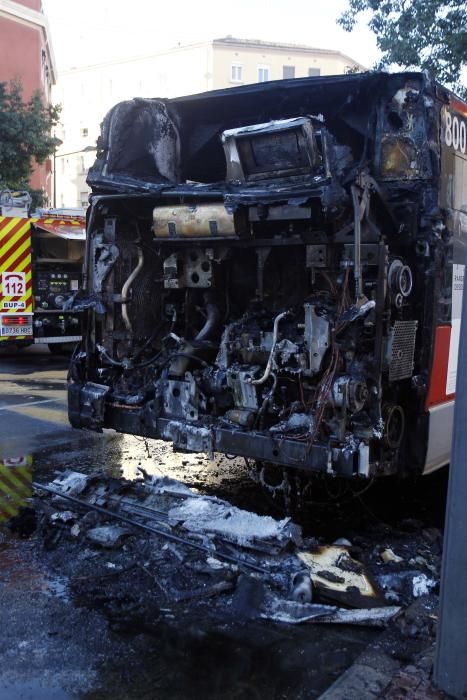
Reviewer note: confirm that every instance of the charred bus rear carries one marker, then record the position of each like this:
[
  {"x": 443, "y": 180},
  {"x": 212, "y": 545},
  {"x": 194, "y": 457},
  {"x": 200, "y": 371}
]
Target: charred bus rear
[{"x": 275, "y": 271}]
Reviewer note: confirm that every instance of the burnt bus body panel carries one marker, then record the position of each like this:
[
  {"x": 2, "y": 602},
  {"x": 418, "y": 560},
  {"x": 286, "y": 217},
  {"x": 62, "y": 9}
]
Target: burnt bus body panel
[
  {"x": 452, "y": 199},
  {"x": 273, "y": 271}
]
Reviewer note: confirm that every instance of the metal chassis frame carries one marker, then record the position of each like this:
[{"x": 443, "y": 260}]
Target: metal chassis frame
[{"x": 255, "y": 446}]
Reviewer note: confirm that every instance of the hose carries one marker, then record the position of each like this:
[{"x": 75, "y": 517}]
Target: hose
[
  {"x": 267, "y": 400},
  {"x": 267, "y": 371},
  {"x": 103, "y": 352},
  {"x": 212, "y": 320},
  {"x": 126, "y": 289},
  {"x": 187, "y": 356}
]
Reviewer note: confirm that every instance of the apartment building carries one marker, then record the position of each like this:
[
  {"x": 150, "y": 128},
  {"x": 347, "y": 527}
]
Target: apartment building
[
  {"x": 243, "y": 61},
  {"x": 26, "y": 54}
]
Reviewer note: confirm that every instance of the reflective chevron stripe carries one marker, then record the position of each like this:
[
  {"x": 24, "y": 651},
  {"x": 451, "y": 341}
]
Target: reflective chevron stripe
[
  {"x": 15, "y": 489},
  {"x": 15, "y": 262}
]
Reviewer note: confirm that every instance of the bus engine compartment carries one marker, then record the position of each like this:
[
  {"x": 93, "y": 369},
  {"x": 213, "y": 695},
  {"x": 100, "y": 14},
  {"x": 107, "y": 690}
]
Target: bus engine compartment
[{"x": 265, "y": 270}]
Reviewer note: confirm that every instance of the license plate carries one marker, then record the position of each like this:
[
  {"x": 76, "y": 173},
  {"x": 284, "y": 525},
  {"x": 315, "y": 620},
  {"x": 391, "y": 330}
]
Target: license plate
[{"x": 16, "y": 330}]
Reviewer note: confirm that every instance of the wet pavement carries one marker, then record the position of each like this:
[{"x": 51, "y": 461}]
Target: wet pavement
[{"x": 54, "y": 648}]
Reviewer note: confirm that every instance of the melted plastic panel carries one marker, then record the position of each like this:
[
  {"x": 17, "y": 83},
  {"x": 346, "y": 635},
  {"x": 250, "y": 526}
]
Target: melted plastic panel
[
  {"x": 278, "y": 300},
  {"x": 141, "y": 141}
]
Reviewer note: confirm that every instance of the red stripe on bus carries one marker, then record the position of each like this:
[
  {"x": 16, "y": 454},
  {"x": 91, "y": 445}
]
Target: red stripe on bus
[
  {"x": 439, "y": 370},
  {"x": 458, "y": 105}
]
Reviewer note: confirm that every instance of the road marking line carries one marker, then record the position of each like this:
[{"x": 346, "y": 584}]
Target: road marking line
[{"x": 29, "y": 403}]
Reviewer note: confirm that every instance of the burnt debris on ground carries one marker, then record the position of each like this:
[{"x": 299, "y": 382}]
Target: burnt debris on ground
[
  {"x": 155, "y": 549},
  {"x": 221, "y": 571}
]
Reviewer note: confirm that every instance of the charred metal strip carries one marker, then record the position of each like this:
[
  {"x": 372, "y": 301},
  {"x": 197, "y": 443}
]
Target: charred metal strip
[
  {"x": 380, "y": 297},
  {"x": 265, "y": 448}
]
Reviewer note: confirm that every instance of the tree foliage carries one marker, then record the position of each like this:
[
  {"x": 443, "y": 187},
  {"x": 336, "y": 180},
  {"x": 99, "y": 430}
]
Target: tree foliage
[
  {"x": 422, "y": 34},
  {"x": 25, "y": 134}
]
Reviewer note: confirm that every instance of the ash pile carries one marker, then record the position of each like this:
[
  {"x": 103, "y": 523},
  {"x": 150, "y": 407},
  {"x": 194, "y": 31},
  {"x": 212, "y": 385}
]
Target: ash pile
[{"x": 154, "y": 550}]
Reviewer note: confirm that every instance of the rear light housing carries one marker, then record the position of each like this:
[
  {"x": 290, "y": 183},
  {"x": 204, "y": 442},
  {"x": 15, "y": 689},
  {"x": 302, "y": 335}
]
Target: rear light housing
[{"x": 15, "y": 320}]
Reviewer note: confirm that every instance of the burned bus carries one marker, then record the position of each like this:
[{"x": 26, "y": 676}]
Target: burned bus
[{"x": 275, "y": 271}]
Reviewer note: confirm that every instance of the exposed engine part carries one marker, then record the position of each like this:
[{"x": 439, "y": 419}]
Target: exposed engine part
[
  {"x": 190, "y": 268},
  {"x": 316, "y": 338},
  {"x": 181, "y": 398},
  {"x": 350, "y": 393},
  {"x": 394, "y": 426},
  {"x": 316, "y": 256},
  {"x": 243, "y": 390},
  {"x": 198, "y": 221},
  {"x": 242, "y": 417},
  {"x": 400, "y": 279},
  {"x": 398, "y": 300},
  {"x": 297, "y": 421}
]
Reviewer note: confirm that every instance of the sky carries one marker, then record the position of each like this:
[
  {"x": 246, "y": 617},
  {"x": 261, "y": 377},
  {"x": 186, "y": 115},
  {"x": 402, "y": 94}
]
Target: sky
[{"x": 94, "y": 31}]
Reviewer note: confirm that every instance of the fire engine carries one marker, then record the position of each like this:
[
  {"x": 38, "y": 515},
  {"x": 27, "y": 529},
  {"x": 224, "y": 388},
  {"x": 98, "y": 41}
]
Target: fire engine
[{"x": 41, "y": 261}]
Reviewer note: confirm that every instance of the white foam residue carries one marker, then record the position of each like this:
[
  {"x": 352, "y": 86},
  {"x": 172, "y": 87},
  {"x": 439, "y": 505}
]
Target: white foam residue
[
  {"x": 163, "y": 484},
  {"x": 241, "y": 526},
  {"x": 71, "y": 483},
  {"x": 422, "y": 585}
]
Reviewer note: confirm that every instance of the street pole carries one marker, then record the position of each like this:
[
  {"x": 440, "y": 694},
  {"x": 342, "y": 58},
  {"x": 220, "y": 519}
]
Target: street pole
[
  {"x": 57, "y": 143},
  {"x": 55, "y": 177},
  {"x": 450, "y": 668}
]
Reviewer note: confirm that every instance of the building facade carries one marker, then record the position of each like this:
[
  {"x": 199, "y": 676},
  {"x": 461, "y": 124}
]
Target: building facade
[
  {"x": 243, "y": 61},
  {"x": 26, "y": 54},
  {"x": 87, "y": 93}
]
